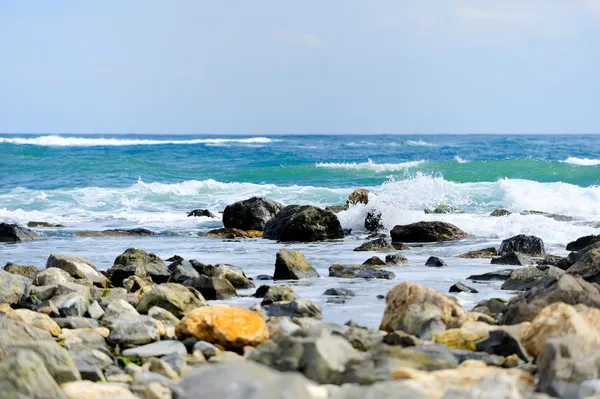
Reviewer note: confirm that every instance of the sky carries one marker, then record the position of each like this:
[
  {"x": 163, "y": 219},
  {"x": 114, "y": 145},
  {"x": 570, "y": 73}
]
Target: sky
[{"x": 310, "y": 66}]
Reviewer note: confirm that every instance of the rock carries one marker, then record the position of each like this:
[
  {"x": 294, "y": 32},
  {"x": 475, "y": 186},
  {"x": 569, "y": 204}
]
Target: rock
[
  {"x": 13, "y": 287},
  {"x": 358, "y": 196},
  {"x": 303, "y": 223},
  {"x": 72, "y": 304},
  {"x": 23, "y": 375},
  {"x": 116, "y": 233},
  {"x": 183, "y": 272},
  {"x": 242, "y": 380},
  {"x": 527, "y": 245},
  {"x": 95, "y": 311},
  {"x": 136, "y": 262},
  {"x": 442, "y": 209},
  {"x": 588, "y": 266},
  {"x": 480, "y": 254},
  {"x": 500, "y": 212},
  {"x": 434, "y": 261},
  {"x": 568, "y": 289},
  {"x": 89, "y": 366},
  {"x": 129, "y": 330},
  {"x": 359, "y": 271},
  {"x": 502, "y": 343},
  {"x": 234, "y": 233},
  {"x": 463, "y": 338},
  {"x": 493, "y": 387},
  {"x": 558, "y": 218},
  {"x": 173, "y": 297},
  {"x": 493, "y": 306},
  {"x": 208, "y": 350},
  {"x": 513, "y": 258},
  {"x": 5, "y": 308},
  {"x": 336, "y": 208},
  {"x": 15, "y": 331},
  {"x": 524, "y": 278},
  {"x": 35, "y": 319},
  {"x": 157, "y": 349},
  {"x": 231, "y": 326},
  {"x": 77, "y": 268},
  {"x": 381, "y": 244},
  {"x": 52, "y": 276},
  {"x": 339, "y": 292},
  {"x": 409, "y": 306},
  {"x": 583, "y": 242},
  {"x": 276, "y": 293},
  {"x": 43, "y": 224},
  {"x": 427, "y": 232},
  {"x": 400, "y": 338},
  {"x": 460, "y": 287},
  {"x": 492, "y": 276},
  {"x": 373, "y": 221},
  {"x": 235, "y": 275},
  {"x": 430, "y": 328},
  {"x": 117, "y": 307},
  {"x": 163, "y": 315},
  {"x": 201, "y": 213},
  {"x": 374, "y": 261},
  {"x": 26, "y": 271},
  {"x": 91, "y": 390},
  {"x": 263, "y": 277},
  {"x": 42, "y": 292},
  {"x": 295, "y": 308},
  {"x": 213, "y": 288},
  {"x": 250, "y": 214},
  {"x": 395, "y": 259},
  {"x": 57, "y": 360},
  {"x": 76, "y": 322},
  {"x": 16, "y": 233},
  {"x": 292, "y": 265}
]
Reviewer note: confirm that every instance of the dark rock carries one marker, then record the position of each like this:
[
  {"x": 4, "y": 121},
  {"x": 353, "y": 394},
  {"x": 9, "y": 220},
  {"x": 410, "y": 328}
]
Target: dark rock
[
  {"x": 16, "y": 233},
  {"x": 339, "y": 292},
  {"x": 431, "y": 328},
  {"x": 202, "y": 269},
  {"x": 568, "y": 289},
  {"x": 480, "y": 254},
  {"x": 434, "y": 261},
  {"x": 292, "y": 265},
  {"x": 401, "y": 338},
  {"x": 76, "y": 322},
  {"x": 382, "y": 244},
  {"x": 303, "y": 223},
  {"x": 213, "y": 288},
  {"x": 491, "y": 276},
  {"x": 462, "y": 355},
  {"x": 588, "y": 266},
  {"x": 201, "y": 213},
  {"x": 583, "y": 242},
  {"x": 492, "y": 307},
  {"x": 527, "y": 245},
  {"x": 183, "y": 272},
  {"x": 442, "y": 209},
  {"x": 336, "y": 208},
  {"x": 460, "y": 287},
  {"x": 278, "y": 293},
  {"x": 427, "y": 232},
  {"x": 524, "y": 278},
  {"x": 295, "y": 308},
  {"x": 513, "y": 258},
  {"x": 231, "y": 233},
  {"x": 117, "y": 233},
  {"x": 250, "y": 214},
  {"x": 26, "y": 271},
  {"x": 500, "y": 212},
  {"x": 373, "y": 221},
  {"x": 337, "y": 300},
  {"x": 374, "y": 261},
  {"x": 502, "y": 343},
  {"x": 381, "y": 297},
  {"x": 261, "y": 291},
  {"x": 395, "y": 259},
  {"x": 136, "y": 262},
  {"x": 263, "y": 277},
  {"x": 43, "y": 224},
  {"x": 359, "y": 271}
]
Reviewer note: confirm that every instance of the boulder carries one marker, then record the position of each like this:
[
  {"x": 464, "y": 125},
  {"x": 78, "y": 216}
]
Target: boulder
[
  {"x": 35, "y": 319},
  {"x": 395, "y": 259},
  {"x": 381, "y": 244},
  {"x": 52, "y": 276},
  {"x": 12, "y": 330},
  {"x": 230, "y": 326},
  {"x": 491, "y": 276},
  {"x": 250, "y": 214},
  {"x": 26, "y": 271},
  {"x": 23, "y": 375},
  {"x": 568, "y": 289},
  {"x": 409, "y": 306},
  {"x": 130, "y": 330},
  {"x": 360, "y": 271},
  {"x": 96, "y": 390},
  {"x": 13, "y": 287},
  {"x": 583, "y": 242},
  {"x": 588, "y": 266},
  {"x": 292, "y": 265},
  {"x": 339, "y": 292},
  {"x": 183, "y": 272},
  {"x": 460, "y": 287},
  {"x": 116, "y": 233},
  {"x": 513, "y": 258},
  {"x": 173, "y": 297},
  {"x": 235, "y": 275},
  {"x": 465, "y": 337},
  {"x": 231, "y": 233},
  {"x": 295, "y": 308},
  {"x": 157, "y": 349},
  {"x": 16, "y": 233},
  {"x": 502, "y": 343},
  {"x": 276, "y": 293},
  {"x": 303, "y": 223},
  {"x": 358, "y": 196},
  {"x": 373, "y": 221},
  {"x": 434, "y": 261},
  {"x": 527, "y": 245},
  {"x": 485, "y": 253},
  {"x": 374, "y": 261},
  {"x": 442, "y": 209},
  {"x": 500, "y": 212},
  {"x": 526, "y": 277},
  {"x": 136, "y": 262},
  {"x": 57, "y": 359},
  {"x": 213, "y": 288},
  {"x": 427, "y": 232},
  {"x": 77, "y": 268},
  {"x": 201, "y": 213}
]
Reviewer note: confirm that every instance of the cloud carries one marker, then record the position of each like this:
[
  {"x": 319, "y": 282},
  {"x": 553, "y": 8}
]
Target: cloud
[
  {"x": 473, "y": 14},
  {"x": 302, "y": 39}
]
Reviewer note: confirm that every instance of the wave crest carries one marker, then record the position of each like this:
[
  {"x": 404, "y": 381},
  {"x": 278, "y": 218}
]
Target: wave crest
[
  {"x": 581, "y": 161},
  {"x": 370, "y": 165}
]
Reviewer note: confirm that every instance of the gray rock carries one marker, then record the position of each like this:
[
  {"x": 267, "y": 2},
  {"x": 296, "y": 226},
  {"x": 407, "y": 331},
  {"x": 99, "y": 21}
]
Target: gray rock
[
  {"x": 139, "y": 263},
  {"x": 431, "y": 328},
  {"x": 381, "y": 244},
  {"x": 26, "y": 271},
  {"x": 213, "y": 288},
  {"x": 491, "y": 276},
  {"x": 130, "y": 330},
  {"x": 460, "y": 287},
  {"x": 117, "y": 307},
  {"x": 400, "y": 338},
  {"x": 359, "y": 271},
  {"x": 427, "y": 232},
  {"x": 292, "y": 265},
  {"x": 12, "y": 287},
  {"x": 52, "y": 276},
  {"x": 527, "y": 245},
  {"x": 587, "y": 266},
  {"x": 16, "y": 233},
  {"x": 163, "y": 315},
  {"x": 157, "y": 349},
  {"x": 117, "y": 233},
  {"x": 503, "y": 343},
  {"x": 43, "y": 292},
  {"x": 73, "y": 288},
  {"x": 434, "y": 261},
  {"x": 23, "y": 375},
  {"x": 57, "y": 360},
  {"x": 207, "y": 349},
  {"x": 72, "y": 304},
  {"x": 43, "y": 224},
  {"x": 303, "y": 223},
  {"x": 524, "y": 278},
  {"x": 339, "y": 292},
  {"x": 277, "y": 293},
  {"x": 235, "y": 275},
  {"x": 480, "y": 254},
  {"x": 95, "y": 311},
  {"x": 77, "y": 268},
  {"x": 15, "y": 331},
  {"x": 492, "y": 306},
  {"x": 173, "y": 297},
  {"x": 295, "y": 308},
  {"x": 251, "y": 214},
  {"x": 384, "y": 389},
  {"x": 395, "y": 259},
  {"x": 76, "y": 322},
  {"x": 513, "y": 258},
  {"x": 183, "y": 272},
  {"x": 89, "y": 367}
]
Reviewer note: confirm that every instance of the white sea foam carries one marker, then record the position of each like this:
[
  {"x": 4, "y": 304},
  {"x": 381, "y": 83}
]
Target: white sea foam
[
  {"x": 370, "y": 165},
  {"x": 582, "y": 161},
  {"x": 460, "y": 160},
  {"x": 62, "y": 141},
  {"x": 421, "y": 143}
]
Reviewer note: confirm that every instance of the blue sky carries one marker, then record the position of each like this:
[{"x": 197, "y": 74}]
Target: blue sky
[{"x": 267, "y": 67}]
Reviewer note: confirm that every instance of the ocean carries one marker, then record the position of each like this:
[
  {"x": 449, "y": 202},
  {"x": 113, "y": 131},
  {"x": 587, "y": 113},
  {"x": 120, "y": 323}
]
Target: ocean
[{"x": 94, "y": 182}]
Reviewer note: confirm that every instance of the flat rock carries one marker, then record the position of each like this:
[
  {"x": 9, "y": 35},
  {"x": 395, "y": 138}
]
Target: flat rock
[
  {"x": 43, "y": 224},
  {"x": 486, "y": 253},
  {"x": 157, "y": 349},
  {"x": 427, "y": 232},
  {"x": 360, "y": 271},
  {"x": 295, "y": 308},
  {"x": 116, "y": 233},
  {"x": 339, "y": 292},
  {"x": 16, "y": 233},
  {"x": 526, "y": 277},
  {"x": 228, "y": 232},
  {"x": 491, "y": 276},
  {"x": 513, "y": 258},
  {"x": 77, "y": 268}
]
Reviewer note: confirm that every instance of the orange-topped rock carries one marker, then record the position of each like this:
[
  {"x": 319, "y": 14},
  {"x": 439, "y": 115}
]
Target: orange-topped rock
[{"x": 231, "y": 326}]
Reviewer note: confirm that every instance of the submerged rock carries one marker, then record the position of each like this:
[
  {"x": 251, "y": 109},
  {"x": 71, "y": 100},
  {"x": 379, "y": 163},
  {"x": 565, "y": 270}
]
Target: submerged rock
[
  {"x": 374, "y": 261},
  {"x": 117, "y": 233},
  {"x": 395, "y": 259},
  {"x": 381, "y": 244},
  {"x": 201, "y": 213},
  {"x": 434, "y": 261},
  {"x": 292, "y": 265},
  {"x": 558, "y": 218},
  {"x": 527, "y": 245},
  {"x": 295, "y": 308},
  {"x": 427, "y": 232},
  {"x": 359, "y": 271},
  {"x": 43, "y": 224},
  {"x": 250, "y": 214},
  {"x": 136, "y": 262},
  {"x": 16, "y": 233},
  {"x": 491, "y": 276},
  {"x": 303, "y": 223},
  {"x": 234, "y": 233},
  {"x": 480, "y": 254},
  {"x": 373, "y": 221},
  {"x": 500, "y": 212},
  {"x": 358, "y": 196},
  {"x": 460, "y": 287},
  {"x": 339, "y": 292},
  {"x": 442, "y": 209}
]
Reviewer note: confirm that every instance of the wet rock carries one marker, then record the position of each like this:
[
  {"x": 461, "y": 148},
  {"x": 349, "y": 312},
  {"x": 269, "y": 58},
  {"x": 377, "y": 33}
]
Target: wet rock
[
  {"x": 491, "y": 276},
  {"x": 242, "y": 380},
  {"x": 409, "y": 306},
  {"x": 460, "y": 287},
  {"x": 400, "y": 338},
  {"x": 77, "y": 268},
  {"x": 213, "y": 288},
  {"x": 427, "y": 232},
  {"x": 434, "y": 261},
  {"x": 25, "y": 271},
  {"x": 442, "y": 209},
  {"x": 588, "y": 266},
  {"x": 339, "y": 292},
  {"x": 485, "y": 253},
  {"x": 163, "y": 315},
  {"x": 43, "y": 224},
  {"x": 220, "y": 324},
  {"x": 157, "y": 349},
  {"x": 502, "y": 343},
  {"x": 201, "y": 213},
  {"x": 276, "y": 293},
  {"x": 91, "y": 390},
  {"x": 358, "y": 196},
  {"x": 250, "y": 214},
  {"x": 129, "y": 330},
  {"x": 295, "y": 308},
  {"x": 303, "y": 223},
  {"x": 583, "y": 242},
  {"x": 183, "y": 272},
  {"x": 116, "y": 233},
  {"x": 374, "y": 261},
  {"x": 360, "y": 271},
  {"x": 136, "y": 262},
  {"x": 373, "y": 221},
  {"x": 173, "y": 297},
  {"x": 558, "y": 218},
  {"x": 232, "y": 233},
  {"x": 235, "y": 275},
  {"x": 24, "y": 375},
  {"x": 500, "y": 212},
  {"x": 568, "y": 289},
  {"x": 493, "y": 306},
  {"x": 16, "y": 233},
  {"x": 524, "y": 278},
  {"x": 381, "y": 244},
  {"x": 292, "y": 265},
  {"x": 35, "y": 319},
  {"x": 513, "y": 258},
  {"x": 395, "y": 259},
  {"x": 263, "y": 277},
  {"x": 13, "y": 287},
  {"x": 76, "y": 322},
  {"x": 527, "y": 245}
]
